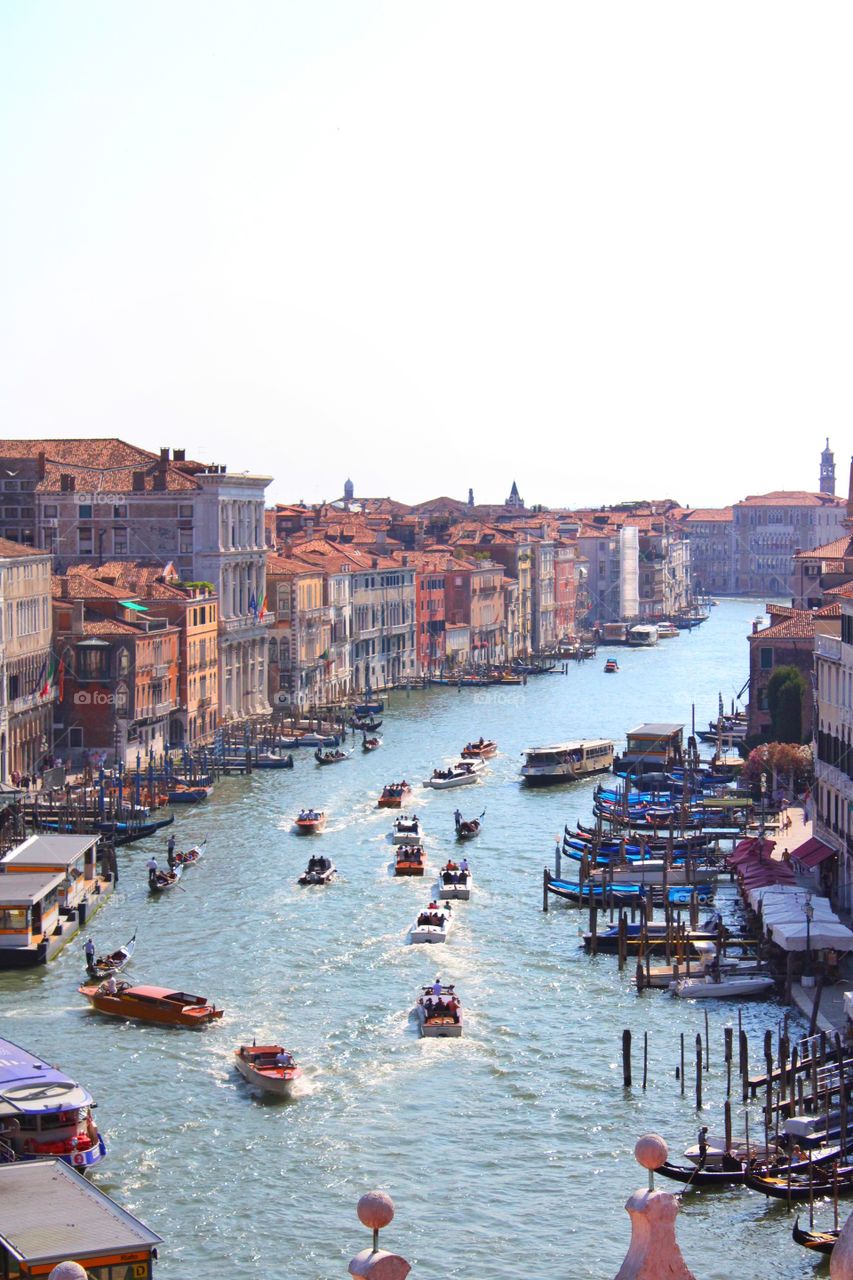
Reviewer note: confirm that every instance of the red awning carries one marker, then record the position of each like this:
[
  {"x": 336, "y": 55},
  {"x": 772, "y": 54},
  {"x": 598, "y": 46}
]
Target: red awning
[{"x": 812, "y": 853}]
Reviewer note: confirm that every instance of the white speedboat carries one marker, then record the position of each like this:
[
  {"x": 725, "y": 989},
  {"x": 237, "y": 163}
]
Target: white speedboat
[
  {"x": 268, "y": 1067},
  {"x": 432, "y": 924},
  {"x": 439, "y": 1015},
  {"x": 463, "y": 774},
  {"x": 407, "y": 830},
  {"x": 455, "y": 882},
  {"x": 724, "y": 987}
]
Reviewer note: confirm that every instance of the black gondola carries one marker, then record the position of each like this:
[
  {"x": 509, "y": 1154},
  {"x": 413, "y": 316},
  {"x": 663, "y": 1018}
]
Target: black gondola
[
  {"x": 800, "y": 1186},
  {"x": 696, "y": 1176},
  {"x": 817, "y": 1241}
]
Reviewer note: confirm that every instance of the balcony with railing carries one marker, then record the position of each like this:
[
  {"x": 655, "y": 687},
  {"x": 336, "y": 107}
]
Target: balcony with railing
[{"x": 828, "y": 647}]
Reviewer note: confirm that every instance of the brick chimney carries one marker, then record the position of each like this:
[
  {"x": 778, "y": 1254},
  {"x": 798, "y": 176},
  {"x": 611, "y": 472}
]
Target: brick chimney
[
  {"x": 850, "y": 495},
  {"x": 40, "y": 465},
  {"x": 138, "y": 482},
  {"x": 67, "y": 483},
  {"x": 164, "y": 455},
  {"x": 179, "y": 455}
]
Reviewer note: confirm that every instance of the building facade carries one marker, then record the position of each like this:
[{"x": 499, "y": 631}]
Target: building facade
[
  {"x": 28, "y": 667},
  {"x": 769, "y": 528}
]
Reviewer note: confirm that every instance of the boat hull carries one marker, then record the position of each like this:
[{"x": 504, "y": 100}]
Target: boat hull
[
  {"x": 443, "y": 784},
  {"x": 438, "y": 1028},
  {"x": 121, "y": 1006},
  {"x": 277, "y": 1086}
]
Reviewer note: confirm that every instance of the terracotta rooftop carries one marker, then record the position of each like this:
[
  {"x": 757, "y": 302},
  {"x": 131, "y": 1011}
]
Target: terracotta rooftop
[
  {"x": 100, "y": 465},
  {"x": 8, "y": 548},
  {"x": 791, "y": 498},
  {"x": 829, "y": 551},
  {"x": 706, "y": 515},
  {"x": 795, "y": 624},
  {"x": 110, "y": 627},
  {"x": 844, "y": 589}
]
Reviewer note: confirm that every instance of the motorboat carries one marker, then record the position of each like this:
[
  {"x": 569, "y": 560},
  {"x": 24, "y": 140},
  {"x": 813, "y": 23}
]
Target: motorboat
[
  {"x": 269, "y": 1067},
  {"x": 409, "y": 860},
  {"x": 150, "y": 1004},
  {"x": 667, "y": 631},
  {"x": 433, "y": 924},
  {"x": 439, "y": 1014},
  {"x": 407, "y": 830},
  {"x": 611, "y": 666},
  {"x": 724, "y": 986},
  {"x": 482, "y": 750},
  {"x": 318, "y": 871},
  {"x": 272, "y": 760},
  {"x": 393, "y": 795},
  {"x": 309, "y": 822},
  {"x": 115, "y": 962},
  {"x": 43, "y": 1112},
  {"x": 643, "y": 635},
  {"x": 190, "y": 856},
  {"x": 462, "y": 774},
  {"x": 455, "y": 881}
]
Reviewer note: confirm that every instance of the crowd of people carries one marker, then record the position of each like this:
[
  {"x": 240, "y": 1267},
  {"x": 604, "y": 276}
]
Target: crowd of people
[{"x": 441, "y": 1002}]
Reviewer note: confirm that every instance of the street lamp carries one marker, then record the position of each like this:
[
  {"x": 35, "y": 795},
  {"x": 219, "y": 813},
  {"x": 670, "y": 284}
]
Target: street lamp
[
  {"x": 809, "y": 914},
  {"x": 763, "y": 785}
]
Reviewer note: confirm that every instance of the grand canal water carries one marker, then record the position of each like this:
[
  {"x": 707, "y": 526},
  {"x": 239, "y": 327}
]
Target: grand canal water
[{"x": 513, "y": 1142}]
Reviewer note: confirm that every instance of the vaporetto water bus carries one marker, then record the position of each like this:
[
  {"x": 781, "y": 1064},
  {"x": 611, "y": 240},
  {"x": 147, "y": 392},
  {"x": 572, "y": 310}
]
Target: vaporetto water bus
[
  {"x": 43, "y": 1112},
  {"x": 566, "y": 761}
]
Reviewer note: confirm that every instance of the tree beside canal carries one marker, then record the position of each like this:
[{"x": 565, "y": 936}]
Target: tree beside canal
[{"x": 785, "y": 691}]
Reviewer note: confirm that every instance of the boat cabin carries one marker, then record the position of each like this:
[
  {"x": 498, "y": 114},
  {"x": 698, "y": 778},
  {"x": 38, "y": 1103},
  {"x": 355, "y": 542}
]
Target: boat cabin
[
  {"x": 654, "y": 748},
  {"x": 567, "y": 760},
  {"x": 49, "y": 1214},
  {"x": 645, "y": 634},
  {"x": 49, "y": 886}
]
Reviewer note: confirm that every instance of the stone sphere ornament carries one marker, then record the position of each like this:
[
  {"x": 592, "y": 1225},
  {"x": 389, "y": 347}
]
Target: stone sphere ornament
[
  {"x": 375, "y": 1209},
  {"x": 67, "y": 1271},
  {"x": 651, "y": 1151}
]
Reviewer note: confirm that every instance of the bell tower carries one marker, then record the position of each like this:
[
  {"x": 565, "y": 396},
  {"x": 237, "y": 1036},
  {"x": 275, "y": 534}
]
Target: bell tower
[{"x": 827, "y": 470}]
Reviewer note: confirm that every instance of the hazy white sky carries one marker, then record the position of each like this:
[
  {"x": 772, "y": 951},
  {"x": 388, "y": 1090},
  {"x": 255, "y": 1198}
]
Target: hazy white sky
[{"x": 600, "y": 248}]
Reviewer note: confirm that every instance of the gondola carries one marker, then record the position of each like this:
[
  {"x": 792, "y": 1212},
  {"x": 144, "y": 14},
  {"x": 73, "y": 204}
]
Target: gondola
[
  {"x": 331, "y": 757},
  {"x": 468, "y": 830},
  {"x": 365, "y": 722},
  {"x": 163, "y": 880},
  {"x": 370, "y": 744},
  {"x": 734, "y": 1172},
  {"x": 802, "y": 1185},
  {"x": 191, "y": 856},
  {"x": 817, "y": 1241},
  {"x": 103, "y": 966},
  {"x": 695, "y": 1176}
]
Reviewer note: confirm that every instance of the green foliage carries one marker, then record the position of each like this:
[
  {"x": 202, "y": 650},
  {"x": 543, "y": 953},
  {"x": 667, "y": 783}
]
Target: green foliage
[{"x": 785, "y": 690}]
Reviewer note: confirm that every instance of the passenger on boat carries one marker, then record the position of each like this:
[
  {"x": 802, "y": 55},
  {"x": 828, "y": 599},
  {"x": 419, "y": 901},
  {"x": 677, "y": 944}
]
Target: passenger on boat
[
  {"x": 110, "y": 987},
  {"x": 436, "y": 988},
  {"x": 284, "y": 1059},
  {"x": 453, "y": 1008}
]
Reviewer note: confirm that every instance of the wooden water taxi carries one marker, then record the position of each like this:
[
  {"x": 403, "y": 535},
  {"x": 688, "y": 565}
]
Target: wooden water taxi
[
  {"x": 455, "y": 881},
  {"x": 462, "y": 774},
  {"x": 102, "y": 966},
  {"x": 433, "y": 924},
  {"x": 269, "y": 1067},
  {"x": 310, "y": 822},
  {"x": 407, "y": 830},
  {"x": 393, "y": 795},
  {"x": 667, "y": 631},
  {"x": 482, "y": 750},
  {"x": 335, "y": 756},
  {"x": 409, "y": 860},
  {"x": 439, "y": 1013},
  {"x": 190, "y": 856},
  {"x": 318, "y": 871},
  {"x": 150, "y": 1004}
]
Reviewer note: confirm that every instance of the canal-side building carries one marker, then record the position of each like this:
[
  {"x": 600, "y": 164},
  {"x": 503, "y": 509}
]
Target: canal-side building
[
  {"x": 710, "y": 534},
  {"x": 833, "y": 749},
  {"x": 789, "y": 641},
  {"x": 120, "y": 674},
  {"x": 191, "y": 607},
  {"x": 99, "y": 500},
  {"x": 770, "y": 528},
  {"x": 301, "y": 635},
  {"x": 28, "y": 667}
]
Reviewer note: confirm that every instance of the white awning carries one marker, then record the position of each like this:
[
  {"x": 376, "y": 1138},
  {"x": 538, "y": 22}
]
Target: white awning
[{"x": 823, "y": 934}]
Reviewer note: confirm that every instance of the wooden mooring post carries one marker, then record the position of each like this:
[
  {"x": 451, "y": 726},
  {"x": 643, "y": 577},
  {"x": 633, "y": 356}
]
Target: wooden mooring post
[
  {"x": 626, "y": 1058},
  {"x": 698, "y": 1072}
]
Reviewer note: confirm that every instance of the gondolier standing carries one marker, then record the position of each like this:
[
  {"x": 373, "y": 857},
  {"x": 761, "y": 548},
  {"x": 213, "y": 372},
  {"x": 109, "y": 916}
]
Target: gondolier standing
[
  {"x": 171, "y": 852},
  {"x": 703, "y": 1145},
  {"x": 152, "y": 871},
  {"x": 90, "y": 953},
  {"x": 457, "y": 818}
]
